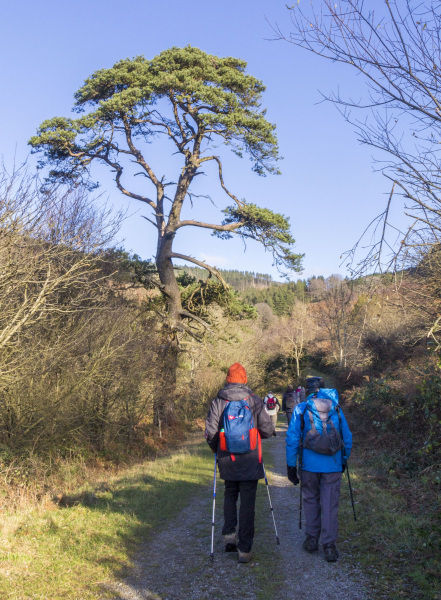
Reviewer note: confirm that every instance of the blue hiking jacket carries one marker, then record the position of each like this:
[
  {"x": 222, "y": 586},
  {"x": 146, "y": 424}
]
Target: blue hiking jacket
[{"x": 312, "y": 461}]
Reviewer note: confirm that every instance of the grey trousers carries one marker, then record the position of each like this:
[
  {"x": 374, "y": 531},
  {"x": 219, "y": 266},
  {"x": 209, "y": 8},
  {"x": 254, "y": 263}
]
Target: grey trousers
[{"x": 321, "y": 494}]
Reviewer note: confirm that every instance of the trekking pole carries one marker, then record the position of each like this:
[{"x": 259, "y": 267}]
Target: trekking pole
[
  {"x": 214, "y": 504},
  {"x": 345, "y": 462},
  {"x": 271, "y": 506},
  {"x": 301, "y": 495},
  {"x": 350, "y": 491}
]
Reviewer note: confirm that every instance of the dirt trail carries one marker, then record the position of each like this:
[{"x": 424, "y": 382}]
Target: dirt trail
[{"x": 175, "y": 564}]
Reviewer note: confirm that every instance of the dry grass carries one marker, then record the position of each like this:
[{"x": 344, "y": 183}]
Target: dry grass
[{"x": 70, "y": 549}]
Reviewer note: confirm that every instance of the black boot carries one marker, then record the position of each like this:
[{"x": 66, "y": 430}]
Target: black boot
[
  {"x": 310, "y": 544},
  {"x": 230, "y": 541},
  {"x": 245, "y": 557},
  {"x": 331, "y": 552}
]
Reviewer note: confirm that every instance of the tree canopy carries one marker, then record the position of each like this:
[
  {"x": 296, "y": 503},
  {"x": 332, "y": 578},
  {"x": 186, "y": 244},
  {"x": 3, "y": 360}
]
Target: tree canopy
[{"x": 195, "y": 100}]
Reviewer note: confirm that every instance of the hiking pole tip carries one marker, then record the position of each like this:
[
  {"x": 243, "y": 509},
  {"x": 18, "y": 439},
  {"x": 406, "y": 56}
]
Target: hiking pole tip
[{"x": 271, "y": 505}]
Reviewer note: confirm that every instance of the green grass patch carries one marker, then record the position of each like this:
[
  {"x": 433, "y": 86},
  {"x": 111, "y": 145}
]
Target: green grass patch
[
  {"x": 72, "y": 552},
  {"x": 395, "y": 540}
]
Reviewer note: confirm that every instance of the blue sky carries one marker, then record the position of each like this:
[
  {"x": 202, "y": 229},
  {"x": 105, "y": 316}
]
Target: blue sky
[{"x": 328, "y": 186}]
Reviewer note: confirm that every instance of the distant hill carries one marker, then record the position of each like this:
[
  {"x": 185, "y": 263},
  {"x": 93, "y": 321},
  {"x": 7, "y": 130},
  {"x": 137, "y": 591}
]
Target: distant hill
[
  {"x": 280, "y": 297},
  {"x": 239, "y": 280},
  {"x": 256, "y": 288}
]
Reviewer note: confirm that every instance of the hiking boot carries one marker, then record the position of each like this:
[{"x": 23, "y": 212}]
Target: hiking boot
[
  {"x": 310, "y": 544},
  {"x": 244, "y": 557},
  {"x": 331, "y": 552},
  {"x": 230, "y": 541}
]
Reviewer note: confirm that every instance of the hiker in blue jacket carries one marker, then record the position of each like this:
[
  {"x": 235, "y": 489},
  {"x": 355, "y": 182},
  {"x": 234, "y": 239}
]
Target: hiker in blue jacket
[{"x": 319, "y": 438}]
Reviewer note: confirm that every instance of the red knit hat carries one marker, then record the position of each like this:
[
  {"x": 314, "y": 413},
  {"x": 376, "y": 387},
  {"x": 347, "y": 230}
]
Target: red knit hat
[{"x": 236, "y": 374}]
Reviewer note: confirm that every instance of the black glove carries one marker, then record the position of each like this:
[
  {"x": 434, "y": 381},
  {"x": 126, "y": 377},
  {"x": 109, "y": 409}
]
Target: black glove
[
  {"x": 343, "y": 468},
  {"x": 292, "y": 475}
]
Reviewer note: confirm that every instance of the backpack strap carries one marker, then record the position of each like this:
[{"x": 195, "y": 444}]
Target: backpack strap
[
  {"x": 311, "y": 420},
  {"x": 337, "y": 408},
  {"x": 302, "y": 429},
  {"x": 259, "y": 441},
  {"x": 340, "y": 430},
  {"x": 302, "y": 426}
]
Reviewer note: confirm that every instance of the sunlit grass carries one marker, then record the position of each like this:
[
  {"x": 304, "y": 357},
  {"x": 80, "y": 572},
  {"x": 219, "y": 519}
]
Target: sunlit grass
[{"x": 72, "y": 552}]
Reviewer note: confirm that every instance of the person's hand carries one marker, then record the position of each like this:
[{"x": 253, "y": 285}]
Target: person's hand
[
  {"x": 343, "y": 468},
  {"x": 292, "y": 475}
]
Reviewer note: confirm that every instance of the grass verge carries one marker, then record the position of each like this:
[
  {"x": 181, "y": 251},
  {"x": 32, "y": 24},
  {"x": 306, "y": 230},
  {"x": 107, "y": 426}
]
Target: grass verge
[
  {"x": 72, "y": 552},
  {"x": 396, "y": 540}
]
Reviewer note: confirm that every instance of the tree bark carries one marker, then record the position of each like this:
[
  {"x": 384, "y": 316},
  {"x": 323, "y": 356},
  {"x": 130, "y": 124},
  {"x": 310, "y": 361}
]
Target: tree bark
[
  {"x": 167, "y": 277},
  {"x": 164, "y": 403}
]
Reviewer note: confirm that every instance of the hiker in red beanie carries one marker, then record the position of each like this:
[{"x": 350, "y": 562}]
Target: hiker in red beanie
[{"x": 235, "y": 423}]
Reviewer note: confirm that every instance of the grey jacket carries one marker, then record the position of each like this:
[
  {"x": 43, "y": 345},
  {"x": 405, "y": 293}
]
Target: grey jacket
[{"x": 244, "y": 467}]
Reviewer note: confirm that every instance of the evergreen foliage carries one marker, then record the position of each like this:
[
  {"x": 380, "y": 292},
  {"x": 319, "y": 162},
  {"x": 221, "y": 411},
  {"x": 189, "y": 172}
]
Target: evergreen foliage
[
  {"x": 281, "y": 298},
  {"x": 215, "y": 92},
  {"x": 198, "y": 296},
  {"x": 239, "y": 280},
  {"x": 256, "y": 288},
  {"x": 196, "y": 102},
  {"x": 270, "y": 228}
]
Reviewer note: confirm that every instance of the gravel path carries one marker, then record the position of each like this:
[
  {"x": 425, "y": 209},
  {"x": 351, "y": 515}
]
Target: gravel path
[
  {"x": 175, "y": 564},
  {"x": 306, "y": 575}
]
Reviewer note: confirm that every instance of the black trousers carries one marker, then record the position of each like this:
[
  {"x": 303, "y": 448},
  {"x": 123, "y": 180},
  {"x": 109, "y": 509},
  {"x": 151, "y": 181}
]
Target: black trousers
[{"x": 247, "y": 491}]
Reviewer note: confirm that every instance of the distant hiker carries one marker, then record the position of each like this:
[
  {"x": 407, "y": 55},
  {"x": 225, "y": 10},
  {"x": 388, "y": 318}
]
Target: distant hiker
[
  {"x": 313, "y": 384},
  {"x": 235, "y": 423},
  {"x": 301, "y": 394},
  {"x": 320, "y": 437},
  {"x": 272, "y": 407},
  {"x": 289, "y": 401}
]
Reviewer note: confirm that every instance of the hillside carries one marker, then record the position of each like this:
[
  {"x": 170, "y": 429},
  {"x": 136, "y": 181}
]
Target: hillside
[
  {"x": 88, "y": 400},
  {"x": 239, "y": 280},
  {"x": 256, "y": 288}
]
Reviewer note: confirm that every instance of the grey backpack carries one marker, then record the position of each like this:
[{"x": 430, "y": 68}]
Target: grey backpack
[{"x": 330, "y": 441}]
